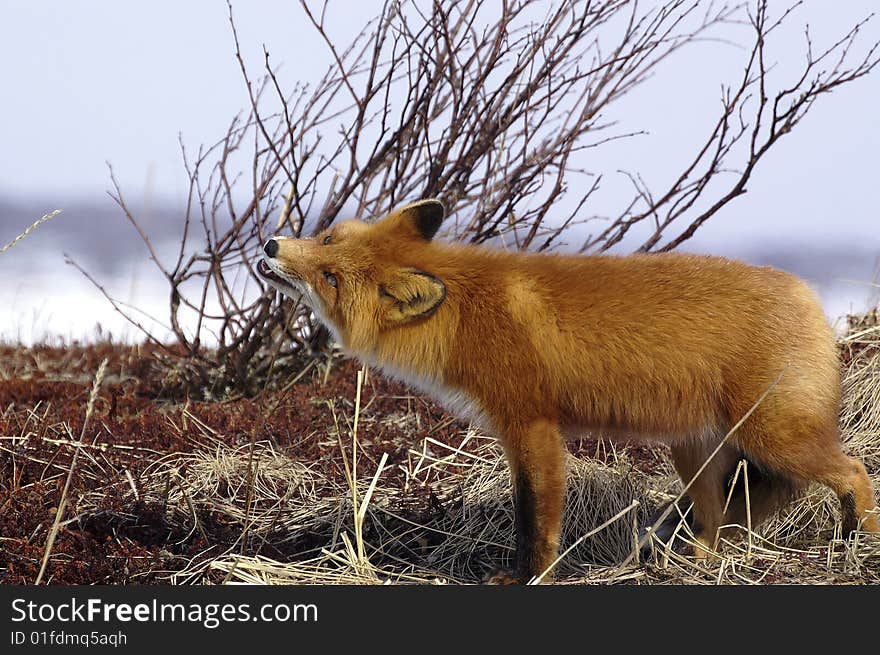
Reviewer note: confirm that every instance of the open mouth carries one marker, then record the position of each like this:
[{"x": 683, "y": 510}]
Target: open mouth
[
  {"x": 283, "y": 285},
  {"x": 266, "y": 272}
]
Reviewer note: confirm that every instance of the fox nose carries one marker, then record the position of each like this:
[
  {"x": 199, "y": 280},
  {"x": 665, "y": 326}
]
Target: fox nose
[{"x": 271, "y": 248}]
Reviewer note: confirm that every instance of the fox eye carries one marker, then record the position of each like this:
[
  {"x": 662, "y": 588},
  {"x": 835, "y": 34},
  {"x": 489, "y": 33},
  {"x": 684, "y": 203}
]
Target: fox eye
[
  {"x": 326, "y": 241},
  {"x": 330, "y": 278}
]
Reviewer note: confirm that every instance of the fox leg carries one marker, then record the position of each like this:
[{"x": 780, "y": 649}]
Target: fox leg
[
  {"x": 810, "y": 450},
  {"x": 767, "y": 492},
  {"x": 537, "y": 466},
  {"x": 846, "y": 477},
  {"x": 707, "y": 492}
]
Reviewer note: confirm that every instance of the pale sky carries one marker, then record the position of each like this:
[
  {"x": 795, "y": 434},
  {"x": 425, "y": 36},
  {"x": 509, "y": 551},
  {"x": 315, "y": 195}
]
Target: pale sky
[
  {"x": 96, "y": 80},
  {"x": 99, "y": 80}
]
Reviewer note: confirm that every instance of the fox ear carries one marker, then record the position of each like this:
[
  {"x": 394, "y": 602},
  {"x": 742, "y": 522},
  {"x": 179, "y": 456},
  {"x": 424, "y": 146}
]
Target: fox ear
[
  {"x": 425, "y": 216},
  {"x": 411, "y": 294}
]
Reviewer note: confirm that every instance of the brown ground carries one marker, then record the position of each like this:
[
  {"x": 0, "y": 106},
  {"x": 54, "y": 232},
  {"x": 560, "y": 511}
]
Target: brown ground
[{"x": 44, "y": 393}]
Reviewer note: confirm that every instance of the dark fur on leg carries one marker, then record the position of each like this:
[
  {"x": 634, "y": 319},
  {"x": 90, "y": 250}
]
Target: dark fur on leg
[
  {"x": 537, "y": 462},
  {"x": 849, "y": 516},
  {"x": 663, "y": 533},
  {"x": 526, "y": 529},
  {"x": 524, "y": 508},
  {"x": 768, "y": 493}
]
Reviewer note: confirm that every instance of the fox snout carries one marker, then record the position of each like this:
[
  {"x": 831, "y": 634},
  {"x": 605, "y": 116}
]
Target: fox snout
[{"x": 273, "y": 270}]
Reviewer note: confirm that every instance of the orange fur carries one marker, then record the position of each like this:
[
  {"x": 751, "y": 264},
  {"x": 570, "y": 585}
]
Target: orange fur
[{"x": 672, "y": 347}]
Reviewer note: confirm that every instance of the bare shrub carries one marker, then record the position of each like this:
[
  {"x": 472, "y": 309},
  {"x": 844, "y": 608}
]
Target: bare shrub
[{"x": 491, "y": 112}]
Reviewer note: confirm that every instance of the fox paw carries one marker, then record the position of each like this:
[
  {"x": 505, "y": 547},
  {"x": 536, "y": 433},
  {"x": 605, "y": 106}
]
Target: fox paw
[{"x": 503, "y": 577}]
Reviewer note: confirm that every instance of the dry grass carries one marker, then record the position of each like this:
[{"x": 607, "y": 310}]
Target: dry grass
[
  {"x": 33, "y": 226},
  {"x": 457, "y": 545},
  {"x": 59, "y": 513},
  {"x": 476, "y": 530},
  {"x": 364, "y": 532}
]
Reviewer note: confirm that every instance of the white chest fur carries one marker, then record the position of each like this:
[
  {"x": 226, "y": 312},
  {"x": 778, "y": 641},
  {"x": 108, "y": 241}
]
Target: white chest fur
[{"x": 455, "y": 401}]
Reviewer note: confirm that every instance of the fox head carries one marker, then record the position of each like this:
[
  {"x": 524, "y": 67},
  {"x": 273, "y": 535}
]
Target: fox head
[{"x": 362, "y": 278}]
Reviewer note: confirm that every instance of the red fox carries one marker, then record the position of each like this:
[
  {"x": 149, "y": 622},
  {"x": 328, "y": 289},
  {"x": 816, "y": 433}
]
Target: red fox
[{"x": 537, "y": 347}]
